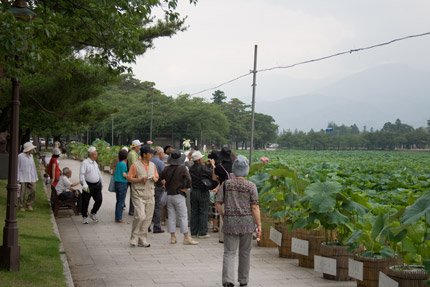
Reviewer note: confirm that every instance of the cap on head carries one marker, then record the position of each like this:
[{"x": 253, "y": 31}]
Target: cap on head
[
  {"x": 240, "y": 166},
  {"x": 125, "y": 148},
  {"x": 136, "y": 143},
  {"x": 146, "y": 149},
  {"x": 91, "y": 149}
]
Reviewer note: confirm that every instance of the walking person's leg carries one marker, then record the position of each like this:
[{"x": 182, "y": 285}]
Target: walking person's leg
[
  {"x": 96, "y": 193},
  {"x": 139, "y": 216},
  {"x": 130, "y": 204},
  {"x": 148, "y": 212},
  {"x": 22, "y": 195},
  {"x": 157, "y": 210},
  {"x": 171, "y": 217},
  {"x": 203, "y": 213},
  {"x": 231, "y": 243},
  {"x": 194, "y": 221},
  {"x": 245, "y": 245},
  {"x": 31, "y": 189},
  {"x": 86, "y": 196},
  {"x": 121, "y": 191}
]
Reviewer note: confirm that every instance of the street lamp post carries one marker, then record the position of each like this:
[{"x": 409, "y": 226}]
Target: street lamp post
[{"x": 10, "y": 250}]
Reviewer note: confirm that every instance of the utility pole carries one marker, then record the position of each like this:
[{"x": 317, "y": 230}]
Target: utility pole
[
  {"x": 152, "y": 114},
  {"x": 254, "y": 84}
]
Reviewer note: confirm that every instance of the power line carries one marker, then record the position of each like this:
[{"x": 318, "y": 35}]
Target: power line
[{"x": 317, "y": 60}]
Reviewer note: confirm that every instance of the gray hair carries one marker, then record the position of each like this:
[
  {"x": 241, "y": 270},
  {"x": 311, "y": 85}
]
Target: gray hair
[
  {"x": 158, "y": 150},
  {"x": 66, "y": 170}
]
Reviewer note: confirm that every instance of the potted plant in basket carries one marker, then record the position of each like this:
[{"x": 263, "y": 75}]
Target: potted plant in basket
[
  {"x": 379, "y": 235},
  {"x": 414, "y": 248},
  {"x": 336, "y": 212}
]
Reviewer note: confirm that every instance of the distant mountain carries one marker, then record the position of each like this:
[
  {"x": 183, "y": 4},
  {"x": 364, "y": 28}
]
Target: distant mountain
[{"x": 369, "y": 98}]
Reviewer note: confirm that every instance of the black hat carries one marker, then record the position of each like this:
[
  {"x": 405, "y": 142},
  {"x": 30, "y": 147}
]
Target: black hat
[
  {"x": 225, "y": 154},
  {"x": 176, "y": 158},
  {"x": 146, "y": 149}
]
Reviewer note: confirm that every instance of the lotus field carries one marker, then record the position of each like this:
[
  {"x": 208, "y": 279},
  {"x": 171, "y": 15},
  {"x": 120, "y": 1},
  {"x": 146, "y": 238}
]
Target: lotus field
[{"x": 379, "y": 200}]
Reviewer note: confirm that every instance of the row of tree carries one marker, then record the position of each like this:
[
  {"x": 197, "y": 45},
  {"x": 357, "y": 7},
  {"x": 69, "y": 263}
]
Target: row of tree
[
  {"x": 395, "y": 135},
  {"x": 217, "y": 122}
]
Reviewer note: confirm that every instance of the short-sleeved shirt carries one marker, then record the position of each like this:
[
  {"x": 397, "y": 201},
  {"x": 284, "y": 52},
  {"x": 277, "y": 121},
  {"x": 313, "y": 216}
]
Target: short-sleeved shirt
[
  {"x": 238, "y": 195},
  {"x": 119, "y": 169},
  {"x": 132, "y": 158}
]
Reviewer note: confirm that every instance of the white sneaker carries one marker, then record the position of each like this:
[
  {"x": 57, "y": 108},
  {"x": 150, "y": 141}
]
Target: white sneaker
[
  {"x": 143, "y": 244},
  {"x": 204, "y": 236},
  {"x": 85, "y": 220},
  {"x": 93, "y": 217},
  {"x": 190, "y": 241},
  {"x": 133, "y": 242}
]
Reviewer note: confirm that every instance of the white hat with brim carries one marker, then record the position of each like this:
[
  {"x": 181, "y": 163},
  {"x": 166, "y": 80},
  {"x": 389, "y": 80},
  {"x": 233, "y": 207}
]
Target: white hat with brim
[
  {"x": 196, "y": 155},
  {"x": 136, "y": 143},
  {"x": 28, "y": 146},
  {"x": 56, "y": 151}
]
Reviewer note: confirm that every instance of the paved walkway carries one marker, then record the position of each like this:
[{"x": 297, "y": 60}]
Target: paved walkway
[{"x": 99, "y": 255}]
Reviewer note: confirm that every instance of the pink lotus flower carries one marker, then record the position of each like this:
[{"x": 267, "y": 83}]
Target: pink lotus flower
[
  {"x": 149, "y": 142},
  {"x": 108, "y": 147},
  {"x": 264, "y": 159}
]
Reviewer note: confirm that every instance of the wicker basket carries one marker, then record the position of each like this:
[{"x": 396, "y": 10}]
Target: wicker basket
[
  {"x": 315, "y": 238},
  {"x": 340, "y": 253},
  {"x": 372, "y": 267},
  {"x": 414, "y": 276},
  {"x": 285, "y": 248}
]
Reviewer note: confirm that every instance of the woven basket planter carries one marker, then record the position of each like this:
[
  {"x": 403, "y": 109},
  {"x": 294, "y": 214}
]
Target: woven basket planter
[
  {"x": 372, "y": 267},
  {"x": 285, "y": 248},
  {"x": 408, "y": 275},
  {"x": 315, "y": 238},
  {"x": 266, "y": 223},
  {"x": 341, "y": 255}
]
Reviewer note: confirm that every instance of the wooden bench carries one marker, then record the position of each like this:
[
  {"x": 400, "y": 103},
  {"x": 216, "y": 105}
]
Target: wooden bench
[{"x": 63, "y": 204}]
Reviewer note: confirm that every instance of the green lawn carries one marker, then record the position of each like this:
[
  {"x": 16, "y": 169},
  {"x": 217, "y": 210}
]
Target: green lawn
[{"x": 40, "y": 258}]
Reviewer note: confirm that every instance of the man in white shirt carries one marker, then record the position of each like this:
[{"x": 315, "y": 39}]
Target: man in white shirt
[
  {"x": 92, "y": 183},
  {"x": 65, "y": 190},
  {"x": 27, "y": 177}
]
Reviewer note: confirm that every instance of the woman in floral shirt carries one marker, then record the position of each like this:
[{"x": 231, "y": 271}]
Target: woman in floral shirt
[{"x": 241, "y": 214}]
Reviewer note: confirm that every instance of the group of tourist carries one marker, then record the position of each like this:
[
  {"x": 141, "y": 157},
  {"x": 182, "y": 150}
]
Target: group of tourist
[{"x": 217, "y": 185}]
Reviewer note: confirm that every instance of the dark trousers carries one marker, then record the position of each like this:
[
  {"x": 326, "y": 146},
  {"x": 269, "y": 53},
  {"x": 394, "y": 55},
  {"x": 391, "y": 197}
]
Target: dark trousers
[
  {"x": 130, "y": 204},
  {"x": 95, "y": 191},
  {"x": 66, "y": 195},
  {"x": 157, "y": 209},
  {"x": 199, "y": 211},
  {"x": 121, "y": 192}
]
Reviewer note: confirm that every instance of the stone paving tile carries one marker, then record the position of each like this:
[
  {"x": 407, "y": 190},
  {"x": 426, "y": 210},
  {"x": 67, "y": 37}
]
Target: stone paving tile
[{"x": 99, "y": 255}]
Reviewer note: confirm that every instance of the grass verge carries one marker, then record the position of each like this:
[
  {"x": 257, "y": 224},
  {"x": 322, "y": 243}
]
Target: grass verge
[{"x": 40, "y": 258}]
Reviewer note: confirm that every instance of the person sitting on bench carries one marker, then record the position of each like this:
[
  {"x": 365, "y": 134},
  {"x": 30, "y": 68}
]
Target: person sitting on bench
[{"x": 65, "y": 190}]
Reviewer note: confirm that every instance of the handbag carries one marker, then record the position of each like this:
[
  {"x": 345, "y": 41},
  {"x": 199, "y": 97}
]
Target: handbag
[
  {"x": 207, "y": 183},
  {"x": 111, "y": 187}
]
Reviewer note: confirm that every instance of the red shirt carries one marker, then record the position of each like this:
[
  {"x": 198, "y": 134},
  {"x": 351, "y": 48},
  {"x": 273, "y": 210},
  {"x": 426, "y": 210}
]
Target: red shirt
[{"x": 56, "y": 177}]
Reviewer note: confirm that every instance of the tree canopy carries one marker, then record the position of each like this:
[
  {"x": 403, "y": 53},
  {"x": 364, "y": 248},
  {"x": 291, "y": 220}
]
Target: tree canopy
[{"x": 66, "y": 55}]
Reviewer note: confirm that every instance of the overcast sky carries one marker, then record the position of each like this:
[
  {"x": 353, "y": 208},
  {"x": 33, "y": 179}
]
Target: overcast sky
[{"x": 219, "y": 44}]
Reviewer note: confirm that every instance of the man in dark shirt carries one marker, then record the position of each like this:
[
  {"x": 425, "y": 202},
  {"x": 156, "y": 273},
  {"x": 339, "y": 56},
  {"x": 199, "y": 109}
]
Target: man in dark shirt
[
  {"x": 159, "y": 164},
  {"x": 200, "y": 195}
]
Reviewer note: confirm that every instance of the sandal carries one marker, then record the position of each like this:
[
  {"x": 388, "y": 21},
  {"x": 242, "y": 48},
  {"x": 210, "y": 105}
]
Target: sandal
[{"x": 215, "y": 230}]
